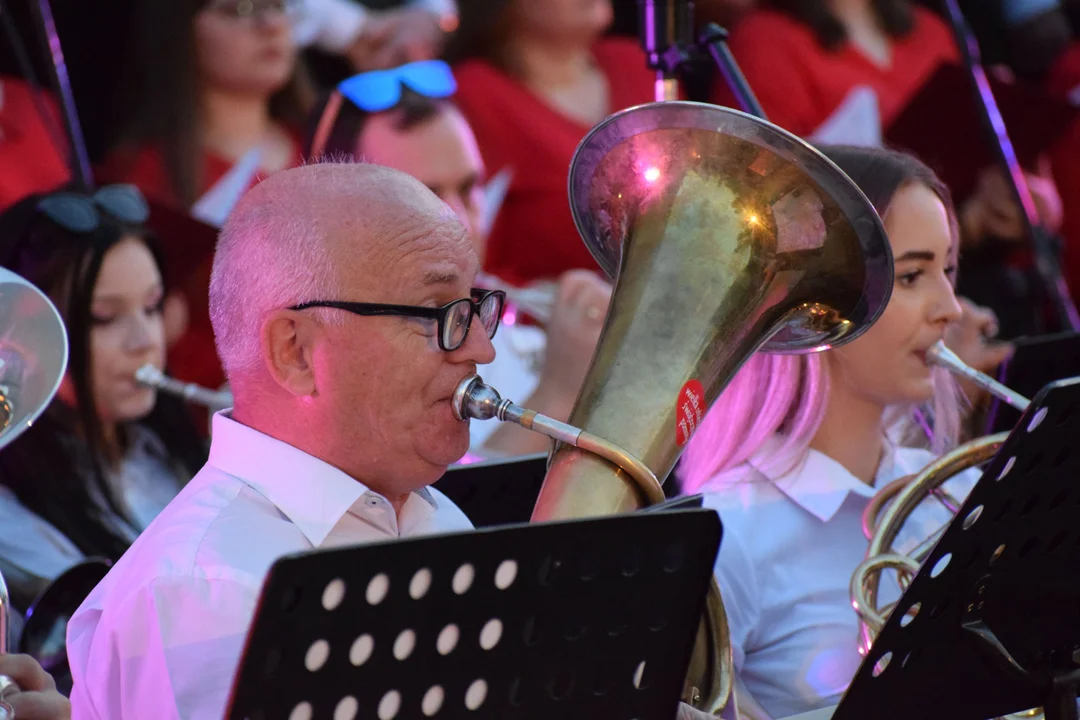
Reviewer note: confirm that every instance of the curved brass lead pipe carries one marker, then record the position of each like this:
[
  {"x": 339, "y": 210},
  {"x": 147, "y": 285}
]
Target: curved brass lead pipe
[
  {"x": 867, "y": 579},
  {"x": 475, "y": 399}
]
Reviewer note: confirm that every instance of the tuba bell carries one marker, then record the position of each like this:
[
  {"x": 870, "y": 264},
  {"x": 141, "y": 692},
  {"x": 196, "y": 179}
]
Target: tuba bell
[{"x": 723, "y": 235}]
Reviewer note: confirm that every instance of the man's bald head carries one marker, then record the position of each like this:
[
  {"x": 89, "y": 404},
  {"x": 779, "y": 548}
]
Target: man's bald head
[{"x": 308, "y": 234}]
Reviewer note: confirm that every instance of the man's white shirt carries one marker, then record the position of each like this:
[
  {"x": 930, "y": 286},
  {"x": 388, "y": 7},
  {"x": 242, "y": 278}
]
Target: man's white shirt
[{"x": 161, "y": 636}]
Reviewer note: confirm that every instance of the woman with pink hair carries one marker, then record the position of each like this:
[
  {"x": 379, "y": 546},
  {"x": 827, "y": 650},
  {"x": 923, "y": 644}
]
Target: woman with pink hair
[{"x": 796, "y": 445}]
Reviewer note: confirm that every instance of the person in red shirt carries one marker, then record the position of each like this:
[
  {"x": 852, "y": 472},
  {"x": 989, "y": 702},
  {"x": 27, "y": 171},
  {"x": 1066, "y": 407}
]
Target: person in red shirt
[
  {"x": 532, "y": 79},
  {"x": 31, "y": 152},
  {"x": 804, "y": 57},
  {"x": 218, "y": 88}
]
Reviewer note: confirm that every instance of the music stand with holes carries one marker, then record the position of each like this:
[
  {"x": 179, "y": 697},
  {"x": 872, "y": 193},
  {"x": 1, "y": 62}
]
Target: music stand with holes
[
  {"x": 584, "y": 619},
  {"x": 1037, "y": 362},
  {"x": 991, "y": 623}
]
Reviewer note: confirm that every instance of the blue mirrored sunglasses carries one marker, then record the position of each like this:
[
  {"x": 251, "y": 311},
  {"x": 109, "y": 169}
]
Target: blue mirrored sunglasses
[
  {"x": 80, "y": 213},
  {"x": 380, "y": 90}
]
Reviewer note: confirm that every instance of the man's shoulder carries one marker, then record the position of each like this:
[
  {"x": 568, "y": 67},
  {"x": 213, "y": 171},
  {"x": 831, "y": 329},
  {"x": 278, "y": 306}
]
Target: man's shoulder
[{"x": 217, "y": 528}]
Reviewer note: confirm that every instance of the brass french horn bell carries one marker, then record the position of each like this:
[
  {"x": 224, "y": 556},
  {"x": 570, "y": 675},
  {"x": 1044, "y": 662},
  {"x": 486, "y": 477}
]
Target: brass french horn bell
[{"x": 723, "y": 234}]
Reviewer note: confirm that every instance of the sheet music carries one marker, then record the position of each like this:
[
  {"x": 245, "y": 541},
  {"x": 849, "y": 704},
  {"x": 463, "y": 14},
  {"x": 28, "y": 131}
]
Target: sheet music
[
  {"x": 214, "y": 206},
  {"x": 856, "y": 122},
  {"x": 494, "y": 194}
]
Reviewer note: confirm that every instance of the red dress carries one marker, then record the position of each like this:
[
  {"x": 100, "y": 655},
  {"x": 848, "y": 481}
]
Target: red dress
[
  {"x": 800, "y": 83},
  {"x": 29, "y": 161},
  {"x": 534, "y": 236},
  {"x": 194, "y": 357}
]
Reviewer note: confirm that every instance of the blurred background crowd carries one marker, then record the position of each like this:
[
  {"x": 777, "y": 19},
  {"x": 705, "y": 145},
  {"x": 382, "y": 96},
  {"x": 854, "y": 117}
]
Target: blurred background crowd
[{"x": 185, "y": 104}]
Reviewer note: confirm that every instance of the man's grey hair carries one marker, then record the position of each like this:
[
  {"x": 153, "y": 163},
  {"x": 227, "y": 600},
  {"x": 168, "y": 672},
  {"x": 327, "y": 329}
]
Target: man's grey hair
[{"x": 271, "y": 254}]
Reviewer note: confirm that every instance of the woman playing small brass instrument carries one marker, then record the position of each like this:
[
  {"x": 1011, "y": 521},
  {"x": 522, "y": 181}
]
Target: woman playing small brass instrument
[
  {"x": 107, "y": 454},
  {"x": 792, "y": 452}
]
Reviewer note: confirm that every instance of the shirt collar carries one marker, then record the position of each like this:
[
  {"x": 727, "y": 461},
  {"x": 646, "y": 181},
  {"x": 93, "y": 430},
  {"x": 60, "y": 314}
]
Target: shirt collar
[
  {"x": 819, "y": 484},
  {"x": 313, "y": 494}
]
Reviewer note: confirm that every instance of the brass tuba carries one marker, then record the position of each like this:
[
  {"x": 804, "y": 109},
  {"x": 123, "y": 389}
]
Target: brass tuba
[{"x": 724, "y": 235}]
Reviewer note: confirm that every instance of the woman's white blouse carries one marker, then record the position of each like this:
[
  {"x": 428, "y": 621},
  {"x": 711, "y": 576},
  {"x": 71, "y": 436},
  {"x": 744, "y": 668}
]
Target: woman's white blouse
[{"x": 790, "y": 544}]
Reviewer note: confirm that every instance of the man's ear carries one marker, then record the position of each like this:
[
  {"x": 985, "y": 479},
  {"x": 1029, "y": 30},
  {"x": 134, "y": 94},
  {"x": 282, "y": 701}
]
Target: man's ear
[{"x": 288, "y": 339}]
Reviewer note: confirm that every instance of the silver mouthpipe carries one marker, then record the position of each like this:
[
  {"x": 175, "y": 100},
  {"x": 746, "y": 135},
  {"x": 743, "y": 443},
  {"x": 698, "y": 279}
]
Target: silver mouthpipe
[
  {"x": 938, "y": 354},
  {"x": 213, "y": 399},
  {"x": 474, "y": 399}
]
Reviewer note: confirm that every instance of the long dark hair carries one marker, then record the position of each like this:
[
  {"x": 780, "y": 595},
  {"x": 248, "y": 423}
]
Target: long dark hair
[
  {"x": 161, "y": 97},
  {"x": 897, "y": 18},
  {"x": 880, "y": 173},
  {"x": 46, "y": 466}
]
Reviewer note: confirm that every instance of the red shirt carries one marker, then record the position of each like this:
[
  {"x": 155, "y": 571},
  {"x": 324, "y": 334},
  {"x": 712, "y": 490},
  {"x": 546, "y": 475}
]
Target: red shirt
[
  {"x": 194, "y": 357},
  {"x": 534, "y": 235},
  {"x": 29, "y": 161},
  {"x": 800, "y": 84}
]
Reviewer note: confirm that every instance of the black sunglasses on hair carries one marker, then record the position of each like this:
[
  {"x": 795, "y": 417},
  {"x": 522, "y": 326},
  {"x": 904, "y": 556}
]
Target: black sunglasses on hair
[
  {"x": 81, "y": 213},
  {"x": 454, "y": 318}
]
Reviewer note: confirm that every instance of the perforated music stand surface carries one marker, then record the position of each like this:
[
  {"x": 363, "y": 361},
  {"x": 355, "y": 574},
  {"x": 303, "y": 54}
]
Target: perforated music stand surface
[
  {"x": 1013, "y": 552},
  {"x": 1037, "y": 362},
  {"x": 496, "y": 492},
  {"x": 590, "y": 602}
]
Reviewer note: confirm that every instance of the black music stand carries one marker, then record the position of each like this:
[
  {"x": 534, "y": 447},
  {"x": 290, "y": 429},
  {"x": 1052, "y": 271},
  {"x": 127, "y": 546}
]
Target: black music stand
[
  {"x": 1037, "y": 362},
  {"x": 996, "y": 625},
  {"x": 496, "y": 492},
  {"x": 567, "y": 620}
]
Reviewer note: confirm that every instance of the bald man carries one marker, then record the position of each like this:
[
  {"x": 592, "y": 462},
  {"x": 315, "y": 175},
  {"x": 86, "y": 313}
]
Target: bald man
[{"x": 341, "y": 421}]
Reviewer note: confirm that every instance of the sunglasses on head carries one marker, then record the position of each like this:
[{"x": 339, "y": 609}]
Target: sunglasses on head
[
  {"x": 381, "y": 90},
  {"x": 81, "y": 213}
]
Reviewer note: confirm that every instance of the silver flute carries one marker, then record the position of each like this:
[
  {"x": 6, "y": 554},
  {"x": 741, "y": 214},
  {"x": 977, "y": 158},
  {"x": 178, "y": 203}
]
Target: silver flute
[{"x": 213, "y": 399}]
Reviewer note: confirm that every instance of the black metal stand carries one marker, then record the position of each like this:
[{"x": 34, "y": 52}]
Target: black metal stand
[
  {"x": 991, "y": 623},
  {"x": 1045, "y": 245},
  {"x": 496, "y": 492},
  {"x": 1037, "y": 362},
  {"x": 567, "y": 620},
  {"x": 78, "y": 158},
  {"x": 665, "y": 28}
]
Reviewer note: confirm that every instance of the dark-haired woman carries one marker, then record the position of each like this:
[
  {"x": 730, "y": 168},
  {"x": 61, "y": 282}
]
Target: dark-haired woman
[
  {"x": 212, "y": 82},
  {"x": 108, "y": 454},
  {"x": 217, "y": 98}
]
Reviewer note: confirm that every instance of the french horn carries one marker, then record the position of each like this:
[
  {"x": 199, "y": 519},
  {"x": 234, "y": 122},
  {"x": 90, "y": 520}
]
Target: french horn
[
  {"x": 889, "y": 509},
  {"x": 723, "y": 235}
]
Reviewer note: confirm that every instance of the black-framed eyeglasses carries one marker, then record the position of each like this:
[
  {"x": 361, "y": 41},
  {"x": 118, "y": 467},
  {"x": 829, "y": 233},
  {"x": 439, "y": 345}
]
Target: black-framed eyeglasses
[
  {"x": 454, "y": 318},
  {"x": 81, "y": 213}
]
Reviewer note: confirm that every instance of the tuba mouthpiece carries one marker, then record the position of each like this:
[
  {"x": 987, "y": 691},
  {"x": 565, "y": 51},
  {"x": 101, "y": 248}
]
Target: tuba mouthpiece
[{"x": 475, "y": 399}]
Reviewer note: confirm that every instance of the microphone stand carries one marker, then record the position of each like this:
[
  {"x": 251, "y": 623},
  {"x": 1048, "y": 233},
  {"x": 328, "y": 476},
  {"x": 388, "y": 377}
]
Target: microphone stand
[
  {"x": 665, "y": 29},
  {"x": 78, "y": 158},
  {"x": 1045, "y": 245}
]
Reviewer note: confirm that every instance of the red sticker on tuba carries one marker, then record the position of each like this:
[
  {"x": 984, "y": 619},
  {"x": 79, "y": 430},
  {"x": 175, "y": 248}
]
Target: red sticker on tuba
[{"x": 690, "y": 409}]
